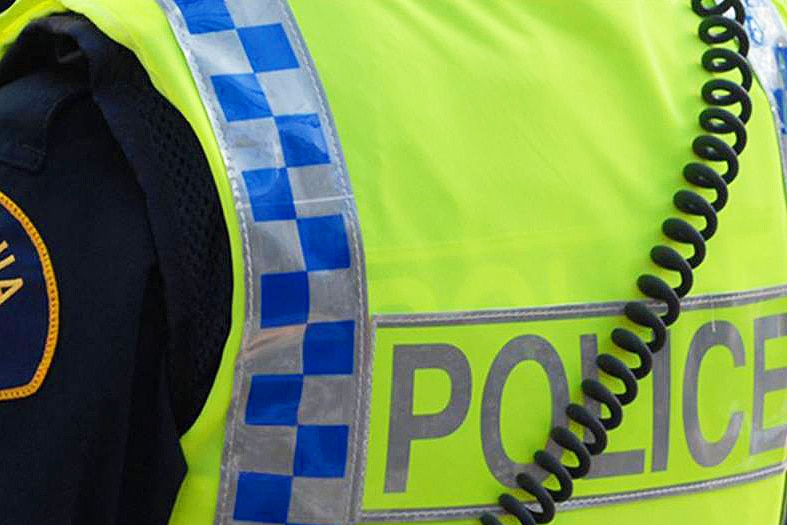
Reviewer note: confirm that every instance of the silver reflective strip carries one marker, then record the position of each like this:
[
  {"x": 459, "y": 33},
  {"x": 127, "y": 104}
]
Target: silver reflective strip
[
  {"x": 768, "y": 57},
  {"x": 571, "y": 311},
  {"x": 579, "y": 503},
  {"x": 291, "y": 434},
  {"x": 630, "y": 462}
]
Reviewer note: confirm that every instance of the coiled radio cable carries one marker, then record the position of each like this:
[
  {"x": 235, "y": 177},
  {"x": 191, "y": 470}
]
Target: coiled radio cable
[{"x": 718, "y": 31}]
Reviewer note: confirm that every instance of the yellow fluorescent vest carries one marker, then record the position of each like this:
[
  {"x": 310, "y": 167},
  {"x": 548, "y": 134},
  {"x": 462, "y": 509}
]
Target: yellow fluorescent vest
[{"x": 437, "y": 211}]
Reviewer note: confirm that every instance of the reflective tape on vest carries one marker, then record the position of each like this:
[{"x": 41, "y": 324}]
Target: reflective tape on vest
[
  {"x": 468, "y": 397},
  {"x": 768, "y": 57},
  {"x": 292, "y": 432},
  {"x": 456, "y": 402}
]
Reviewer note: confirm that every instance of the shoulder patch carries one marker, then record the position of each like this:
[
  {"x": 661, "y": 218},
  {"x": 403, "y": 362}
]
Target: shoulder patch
[{"x": 29, "y": 305}]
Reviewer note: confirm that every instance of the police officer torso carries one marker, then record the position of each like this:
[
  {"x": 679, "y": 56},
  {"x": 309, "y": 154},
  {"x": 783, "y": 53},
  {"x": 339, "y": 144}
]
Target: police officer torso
[{"x": 405, "y": 346}]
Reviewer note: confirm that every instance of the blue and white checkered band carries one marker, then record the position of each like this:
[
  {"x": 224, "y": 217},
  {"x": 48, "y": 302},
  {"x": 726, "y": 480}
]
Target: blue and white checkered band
[
  {"x": 293, "y": 425},
  {"x": 768, "y": 57}
]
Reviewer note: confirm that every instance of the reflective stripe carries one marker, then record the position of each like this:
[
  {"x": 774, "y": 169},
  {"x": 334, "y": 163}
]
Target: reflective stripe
[
  {"x": 572, "y": 311},
  {"x": 768, "y": 57},
  {"x": 413, "y": 430},
  {"x": 581, "y": 503},
  {"x": 291, "y": 434}
]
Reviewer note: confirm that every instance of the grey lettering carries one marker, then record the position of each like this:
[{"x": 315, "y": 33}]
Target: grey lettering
[
  {"x": 765, "y": 439},
  {"x": 607, "y": 464},
  {"x": 516, "y": 351},
  {"x": 717, "y": 333},
  {"x": 662, "y": 406},
  {"x": 405, "y": 427}
]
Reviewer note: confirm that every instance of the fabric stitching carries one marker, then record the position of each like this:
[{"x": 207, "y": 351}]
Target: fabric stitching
[
  {"x": 611, "y": 308},
  {"x": 53, "y": 328}
]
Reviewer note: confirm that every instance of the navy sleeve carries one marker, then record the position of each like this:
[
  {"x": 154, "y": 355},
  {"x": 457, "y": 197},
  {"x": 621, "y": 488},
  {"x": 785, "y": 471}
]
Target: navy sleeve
[
  {"x": 97, "y": 443},
  {"x": 98, "y": 161}
]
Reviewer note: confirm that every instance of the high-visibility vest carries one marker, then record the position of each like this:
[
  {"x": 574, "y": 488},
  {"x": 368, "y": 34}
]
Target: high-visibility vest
[{"x": 437, "y": 210}]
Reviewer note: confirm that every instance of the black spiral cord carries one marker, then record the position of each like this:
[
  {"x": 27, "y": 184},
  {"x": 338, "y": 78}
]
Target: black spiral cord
[{"x": 718, "y": 93}]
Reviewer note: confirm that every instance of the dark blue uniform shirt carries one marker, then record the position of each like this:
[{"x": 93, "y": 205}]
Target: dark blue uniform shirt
[{"x": 118, "y": 187}]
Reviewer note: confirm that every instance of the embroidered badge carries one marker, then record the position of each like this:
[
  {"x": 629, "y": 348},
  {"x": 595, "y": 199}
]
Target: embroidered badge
[{"x": 29, "y": 305}]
